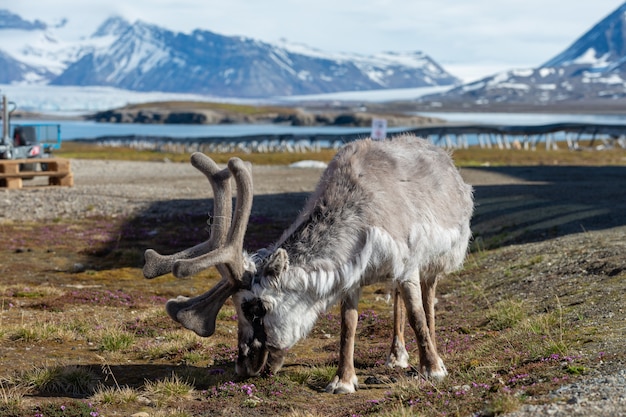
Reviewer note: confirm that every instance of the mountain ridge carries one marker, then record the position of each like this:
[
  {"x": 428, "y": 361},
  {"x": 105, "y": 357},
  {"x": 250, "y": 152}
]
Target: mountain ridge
[
  {"x": 141, "y": 56},
  {"x": 593, "y": 67}
]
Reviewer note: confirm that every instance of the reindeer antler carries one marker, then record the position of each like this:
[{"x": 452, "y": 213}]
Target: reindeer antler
[
  {"x": 231, "y": 253},
  {"x": 223, "y": 250},
  {"x": 156, "y": 264}
]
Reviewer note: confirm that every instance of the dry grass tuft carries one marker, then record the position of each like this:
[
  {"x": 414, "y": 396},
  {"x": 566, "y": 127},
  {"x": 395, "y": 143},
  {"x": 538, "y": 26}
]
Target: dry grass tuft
[{"x": 168, "y": 390}]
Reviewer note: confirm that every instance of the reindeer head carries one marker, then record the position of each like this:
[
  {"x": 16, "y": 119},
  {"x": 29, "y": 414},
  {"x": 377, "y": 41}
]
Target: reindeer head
[
  {"x": 224, "y": 250},
  {"x": 268, "y": 315}
]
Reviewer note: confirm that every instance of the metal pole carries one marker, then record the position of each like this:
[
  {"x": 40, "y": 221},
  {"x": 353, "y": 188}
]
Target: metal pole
[{"x": 5, "y": 121}]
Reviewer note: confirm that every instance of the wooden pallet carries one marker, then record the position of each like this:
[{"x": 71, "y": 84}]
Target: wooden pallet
[{"x": 56, "y": 169}]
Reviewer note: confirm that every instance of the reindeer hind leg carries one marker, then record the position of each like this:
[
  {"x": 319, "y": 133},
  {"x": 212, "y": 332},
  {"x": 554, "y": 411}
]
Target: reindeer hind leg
[
  {"x": 398, "y": 356},
  {"x": 429, "y": 285}
]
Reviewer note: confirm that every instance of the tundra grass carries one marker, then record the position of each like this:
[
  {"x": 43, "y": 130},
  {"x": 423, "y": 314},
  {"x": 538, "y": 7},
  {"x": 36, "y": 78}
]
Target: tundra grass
[
  {"x": 498, "y": 352},
  {"x": 238, "y": 109},
  {"x": 471, "y": 157},
  {"x": 82, "y": 150}
]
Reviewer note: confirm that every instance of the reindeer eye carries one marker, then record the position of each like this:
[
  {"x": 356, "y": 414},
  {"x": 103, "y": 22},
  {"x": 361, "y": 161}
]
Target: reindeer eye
[
  {"x": 247, "y": 280},
  {"x": 253, "y": 310}
]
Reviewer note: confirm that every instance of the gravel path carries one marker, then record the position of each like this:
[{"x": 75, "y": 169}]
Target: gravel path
[
  {"x": 603, "y": 396},
  {"x": 124, "y": 188},
  {"x": 540, "y": 197},
  {"x": 521, "y": 204}
]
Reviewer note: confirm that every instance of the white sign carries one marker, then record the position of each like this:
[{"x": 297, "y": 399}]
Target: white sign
[{"x": 379, "y": 129}]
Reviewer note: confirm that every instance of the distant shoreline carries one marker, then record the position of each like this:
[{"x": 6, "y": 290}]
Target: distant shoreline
[
  {"x": 85, "y": 107},
  {"x": 591, "y": 107}
]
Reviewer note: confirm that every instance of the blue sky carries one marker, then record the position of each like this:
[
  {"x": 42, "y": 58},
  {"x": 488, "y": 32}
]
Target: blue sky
[{"x": 469, "y": 38}]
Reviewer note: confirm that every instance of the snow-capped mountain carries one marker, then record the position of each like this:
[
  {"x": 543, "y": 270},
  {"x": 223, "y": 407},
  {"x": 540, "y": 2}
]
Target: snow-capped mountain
[
  {"x": 14, "y": 70},
  {"x": 593, "y": 67},
  {"x": 40, "y": 49},
  {"x": 146, "y": 57}
]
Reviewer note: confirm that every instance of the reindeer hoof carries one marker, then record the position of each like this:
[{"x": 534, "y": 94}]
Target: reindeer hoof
[
  {"x": 398, "y": 358},
  {"x": 340, "y": 387},
  {"x": 437, "y": 373}
]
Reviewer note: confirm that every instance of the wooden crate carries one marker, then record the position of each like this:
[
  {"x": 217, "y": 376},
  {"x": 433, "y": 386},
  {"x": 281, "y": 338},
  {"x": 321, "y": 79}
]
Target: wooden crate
[{"x": 57, "y": 170}]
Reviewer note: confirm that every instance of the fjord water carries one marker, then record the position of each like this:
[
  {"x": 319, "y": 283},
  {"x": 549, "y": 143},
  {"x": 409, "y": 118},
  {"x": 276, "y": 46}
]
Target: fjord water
[{"x": 74, "y": 129}]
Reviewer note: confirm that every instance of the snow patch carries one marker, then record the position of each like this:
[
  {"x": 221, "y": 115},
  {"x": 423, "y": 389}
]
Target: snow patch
[
  {"x": 473, "y": 86},
  {"x": 522, "y": 72},
  {"x": 304, "y": 75},
  {"x": 611, "y": 79},
  {"x": 283, "y": 61},
  {"x": 514, "y": 86},
  {"x": 308, "y": 164},
  {"x": 544, "y": 72},
  {"x": 500, "y": 78},
  {"x": 588, "y": 57}
]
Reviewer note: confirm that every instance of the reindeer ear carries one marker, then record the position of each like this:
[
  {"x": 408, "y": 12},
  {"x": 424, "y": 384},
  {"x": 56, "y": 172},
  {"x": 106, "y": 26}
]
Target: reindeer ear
[{"x": 277, "y": 264}]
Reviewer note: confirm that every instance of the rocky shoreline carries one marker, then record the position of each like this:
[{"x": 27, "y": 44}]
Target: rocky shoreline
[{"x": 289, "y": 117}]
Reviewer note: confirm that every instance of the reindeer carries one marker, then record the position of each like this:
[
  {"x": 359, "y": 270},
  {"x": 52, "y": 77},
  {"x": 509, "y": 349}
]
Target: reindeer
[{"x": 394, "y": 210}]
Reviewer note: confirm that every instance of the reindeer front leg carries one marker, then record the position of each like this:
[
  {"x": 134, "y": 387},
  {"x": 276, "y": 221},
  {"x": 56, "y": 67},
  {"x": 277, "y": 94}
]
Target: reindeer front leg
[
  {"x": 431, "y": 364},
  {"x": 346, "y": 381}
]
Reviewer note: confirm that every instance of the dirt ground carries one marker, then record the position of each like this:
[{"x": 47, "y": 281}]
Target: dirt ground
[
  {"x": 519, "y": 204},
  {"x": 514, "y": 204}
]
